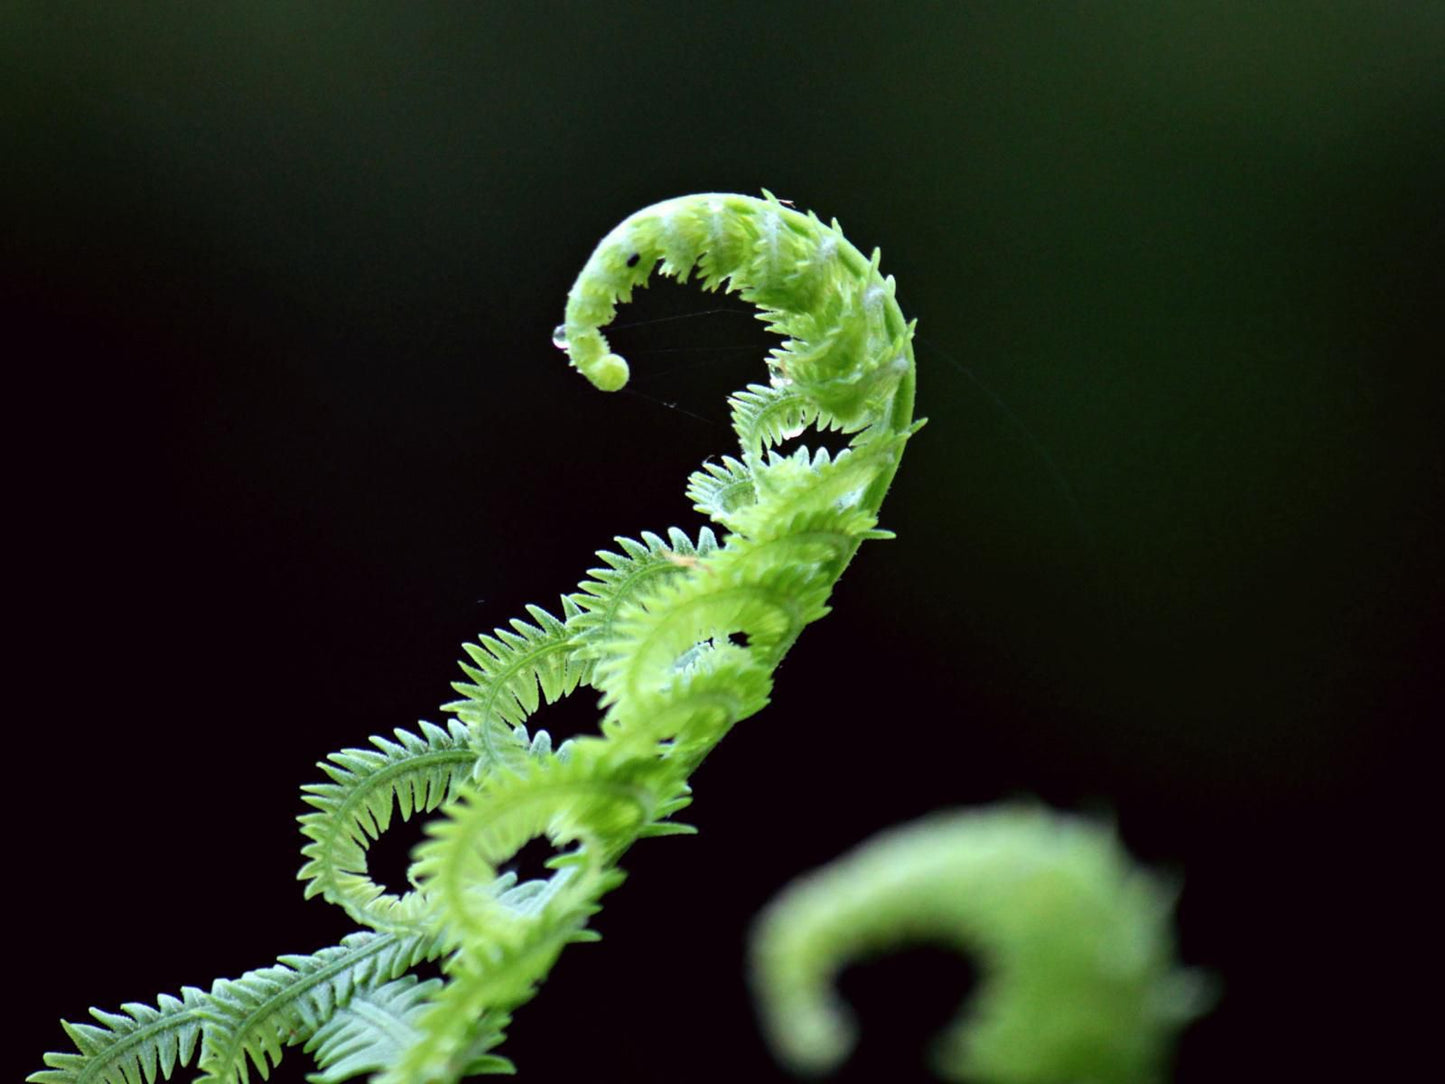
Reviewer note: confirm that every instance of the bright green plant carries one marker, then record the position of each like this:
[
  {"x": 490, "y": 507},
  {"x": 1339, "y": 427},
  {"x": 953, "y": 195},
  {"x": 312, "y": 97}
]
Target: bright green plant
[
  {"x": 681, "y": 637},
  {"x": 1078, "y": 981}
]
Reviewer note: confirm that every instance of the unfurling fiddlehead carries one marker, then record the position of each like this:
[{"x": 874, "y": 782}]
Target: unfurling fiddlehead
[
  {"x": 1074, "y": 940},
  {"x": 681, "y": 638}
]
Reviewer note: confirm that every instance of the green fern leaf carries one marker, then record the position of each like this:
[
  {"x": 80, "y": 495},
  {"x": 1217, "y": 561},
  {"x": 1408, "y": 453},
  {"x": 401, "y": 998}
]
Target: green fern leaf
[
  {"x": 1078, "y": 974},
  {"x": 516, "y": 668},
  {"x": 765, "y": 415},
  {"x": 465, "y": 1018},
  {"x": 815, "y": 481},
  {"x": 371, "y": 1033},
  {"x": 720, "y": 489},
  {"x": 254, "y": 1017},
  {"x": 638, "y": 569},
  {"x": 595, "y": 798},
  {"x": 680, "y": 638},
  {"x": 684, "y": 628},
  {"x": 132, "y": 1046},
  {"x": 417, "y": 772}
]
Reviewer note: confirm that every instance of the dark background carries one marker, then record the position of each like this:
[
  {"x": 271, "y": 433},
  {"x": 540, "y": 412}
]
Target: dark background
[{"x": 285, "y": 427}]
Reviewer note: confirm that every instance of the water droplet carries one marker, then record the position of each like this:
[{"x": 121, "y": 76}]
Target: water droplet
[{"x": 559, "y": 336}]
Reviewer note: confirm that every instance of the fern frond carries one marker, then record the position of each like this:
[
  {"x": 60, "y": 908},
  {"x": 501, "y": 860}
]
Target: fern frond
[
  {"x": 681, "y": 638},
  {"x": 661, "y": 635},
  {"x": 660, "y": 825},
  {"x": 641, "y": 566},
  {"x": 370, "y": 1034},
  {"x": 131, "y": 1046},
  {"x": 483, "y": 985},
  {"x": 595, "y": 799},
  {"x": 254, "y": 1017},
  {"x": 717, "y": 686},
  {"x": 764, "y": 415},
  {"x": 1079, "y": 981},
  {"x": 767, "y": 415},
  {"x": 817, "y": 481},
  {"x": 516, "y": 668},
  {"x": 417, "y": 773},
  {"x": 720, "y": 489},
  {"x": 822, "y": 539}
]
